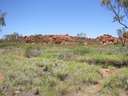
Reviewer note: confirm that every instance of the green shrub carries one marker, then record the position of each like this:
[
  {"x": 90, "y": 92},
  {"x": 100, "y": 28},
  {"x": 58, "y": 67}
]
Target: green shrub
[
  {"x": 117, "y": 82},
  {"x": 32, "y": 52},
  {"x": 66, "y": 56},
  {"x": 82, "y": 50},
  {"x": 87, "y": 75}
]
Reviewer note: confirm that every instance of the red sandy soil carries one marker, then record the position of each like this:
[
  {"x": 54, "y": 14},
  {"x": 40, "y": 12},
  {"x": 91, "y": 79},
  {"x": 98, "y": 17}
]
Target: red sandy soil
[{"x": 1, "y": 77}]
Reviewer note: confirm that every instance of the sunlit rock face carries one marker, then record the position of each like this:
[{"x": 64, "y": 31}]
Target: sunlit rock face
[{"x": 107, "y": 39}]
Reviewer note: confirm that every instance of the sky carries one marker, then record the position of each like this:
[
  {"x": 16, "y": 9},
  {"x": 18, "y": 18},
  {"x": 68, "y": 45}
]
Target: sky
[{"x": 71, "y": 17}]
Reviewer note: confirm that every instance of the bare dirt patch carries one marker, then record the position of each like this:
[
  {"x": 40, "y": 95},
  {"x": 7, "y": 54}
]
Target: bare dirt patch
[{"x": 1, "y": 77}]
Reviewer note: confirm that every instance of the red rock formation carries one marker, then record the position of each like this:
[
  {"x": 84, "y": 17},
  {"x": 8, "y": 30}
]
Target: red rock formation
[
  {"x": 57, "y": 39},
  {"x": 107, "y": 39}
]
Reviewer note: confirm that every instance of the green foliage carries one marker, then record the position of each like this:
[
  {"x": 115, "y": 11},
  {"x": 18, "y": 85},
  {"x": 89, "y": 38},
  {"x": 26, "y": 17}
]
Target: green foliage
[
  {"x": 119, "y": 9},
  {"x": 2, "y": 19},
  {"x": 60, "y": 70},
  {"x": 125, "y": 34},
  {"x": 66, "y": 55},
  {"x": 32, "y": 52},
  {"x": 86, "y": 74},
  {"x": 81, "y": 35},
  {"x": 12, "y": 37},
  {"x": 82, "y": 50},
  {"x": 115, "y": 83}
]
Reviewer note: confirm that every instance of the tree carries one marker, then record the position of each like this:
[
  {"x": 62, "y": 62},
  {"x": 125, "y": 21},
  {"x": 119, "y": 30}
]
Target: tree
[
  {"x": 81, "y": 35},
  {"x": 119, "y": 9},
  {"x": 120, "y": 33},
  {"x": 2, "y": 19},
  {"x": 12, "y": 37},
  {"x": 123, "y": 35}
]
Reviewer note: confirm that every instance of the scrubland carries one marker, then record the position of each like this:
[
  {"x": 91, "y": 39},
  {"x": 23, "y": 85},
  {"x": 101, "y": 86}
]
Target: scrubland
[{"x": 63, "y": 70}]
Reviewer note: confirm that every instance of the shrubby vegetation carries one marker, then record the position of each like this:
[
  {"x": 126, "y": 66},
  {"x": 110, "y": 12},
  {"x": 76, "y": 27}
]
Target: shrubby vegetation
[
  {"x": 32, "y": 52},
  {"x": 61, "y": 70}
]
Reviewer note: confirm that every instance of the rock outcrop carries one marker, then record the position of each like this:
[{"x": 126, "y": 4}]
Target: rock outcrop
[{"x": 107, "y": 39}]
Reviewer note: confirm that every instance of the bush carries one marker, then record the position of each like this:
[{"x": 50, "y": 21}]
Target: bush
[
  {"x": 66, "y": 56},
  {"x": 87, "y": 74},
  {"x": 32, "y": 52},
  {"x": 82, "y": 50},
  {"x": 117, "y": 82}
]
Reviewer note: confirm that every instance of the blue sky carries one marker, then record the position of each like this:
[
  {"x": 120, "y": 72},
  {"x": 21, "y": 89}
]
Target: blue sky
[{"x": 57, "y": 17}]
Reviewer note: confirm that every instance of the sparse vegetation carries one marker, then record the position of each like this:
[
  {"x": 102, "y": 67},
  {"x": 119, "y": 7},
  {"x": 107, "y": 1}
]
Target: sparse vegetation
[
  {"x": 32, "y": 52},
  {"x": 116, "y": 83},
  {"x": 60, "y": 70},
  {"x": 63, "y": 65}
]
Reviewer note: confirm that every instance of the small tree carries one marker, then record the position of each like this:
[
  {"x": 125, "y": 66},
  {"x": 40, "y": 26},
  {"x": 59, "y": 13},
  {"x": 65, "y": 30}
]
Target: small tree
[
  {"x": 123, "y": 35},
  {"x": 120, "y": 33},
  {"x": 2, "y": 19},
  {"x": 81, "y": 35},
  {"x": 12, "y": 37},
  {"x": 119, "y": 8}
]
